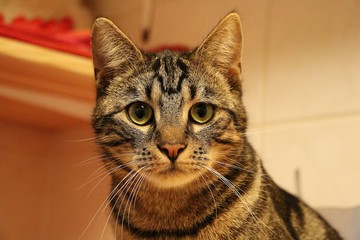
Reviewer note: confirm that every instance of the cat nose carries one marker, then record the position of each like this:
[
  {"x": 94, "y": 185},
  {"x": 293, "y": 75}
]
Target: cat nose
[{"x": 172, "y": 150}]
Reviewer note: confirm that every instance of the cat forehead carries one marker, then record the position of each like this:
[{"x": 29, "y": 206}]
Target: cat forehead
[
  {"x": 169, "y": 79},
  {"x": 169, "y": 70},
  {"x": 180, "y": 74},
  {"x": 168, "y": 62}
]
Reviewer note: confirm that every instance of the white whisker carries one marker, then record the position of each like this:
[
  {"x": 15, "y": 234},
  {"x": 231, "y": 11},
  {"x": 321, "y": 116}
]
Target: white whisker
[
  {"x": 103, "y": 206},
  {"x": 117, "y": 194},
  {"x": 211, "y": 193},
  {"x": 237, "y": 193}
]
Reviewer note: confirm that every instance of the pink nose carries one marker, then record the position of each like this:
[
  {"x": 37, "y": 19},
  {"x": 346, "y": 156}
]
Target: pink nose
[{"x": 172, "y": 150}]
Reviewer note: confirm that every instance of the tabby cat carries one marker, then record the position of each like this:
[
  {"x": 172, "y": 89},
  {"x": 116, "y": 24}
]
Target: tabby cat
[{"x": 172, "y": 128}]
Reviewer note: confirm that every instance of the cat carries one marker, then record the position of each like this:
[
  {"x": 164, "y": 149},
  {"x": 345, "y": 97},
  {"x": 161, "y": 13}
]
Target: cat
[{"x": 172, "y": 128}]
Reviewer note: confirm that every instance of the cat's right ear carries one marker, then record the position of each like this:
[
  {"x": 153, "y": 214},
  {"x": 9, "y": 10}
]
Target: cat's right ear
[
  {"x": 222, "y": 49},
  {"x": 112, "y": 50}
]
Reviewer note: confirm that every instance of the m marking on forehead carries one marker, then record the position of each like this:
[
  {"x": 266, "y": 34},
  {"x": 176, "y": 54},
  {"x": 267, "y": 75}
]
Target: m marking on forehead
[{"x": 170, "y": 73}]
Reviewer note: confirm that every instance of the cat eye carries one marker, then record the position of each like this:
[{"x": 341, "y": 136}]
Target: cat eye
[
  {"x": 201, "y": 112},
  {"x": 140, "y": 113}
]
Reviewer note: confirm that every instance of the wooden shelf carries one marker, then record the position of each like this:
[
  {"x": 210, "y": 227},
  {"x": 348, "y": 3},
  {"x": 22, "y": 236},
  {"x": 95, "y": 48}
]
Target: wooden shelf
[{"x": 44, "y": 88}]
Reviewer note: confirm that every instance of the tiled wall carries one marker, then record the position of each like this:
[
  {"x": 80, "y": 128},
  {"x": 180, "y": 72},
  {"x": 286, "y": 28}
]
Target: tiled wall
[{"x": 311, "y": 99}]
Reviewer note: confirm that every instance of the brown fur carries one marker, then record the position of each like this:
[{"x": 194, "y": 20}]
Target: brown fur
[{"x": 217, "y": 188}]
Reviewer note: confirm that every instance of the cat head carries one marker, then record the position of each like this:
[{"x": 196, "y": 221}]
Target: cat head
[{"x": 169, "y": 116}]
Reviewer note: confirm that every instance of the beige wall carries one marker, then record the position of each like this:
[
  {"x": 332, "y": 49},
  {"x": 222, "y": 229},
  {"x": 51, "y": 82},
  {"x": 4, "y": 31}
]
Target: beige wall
[
  {"x": 23, "y": 181},
  {"x": 42, "y": 191},
  {"x": 302, "y": 89},
  {"x": 76, "y": 193}
]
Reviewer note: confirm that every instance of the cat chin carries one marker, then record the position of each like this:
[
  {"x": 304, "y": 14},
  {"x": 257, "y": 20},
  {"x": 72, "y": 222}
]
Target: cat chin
[{"x": 173, "y": 180}]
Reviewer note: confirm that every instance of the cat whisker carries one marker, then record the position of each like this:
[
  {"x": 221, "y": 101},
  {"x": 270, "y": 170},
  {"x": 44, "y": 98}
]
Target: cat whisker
[
  {"x": 90, "y": 160},
  {"x": 104, "y": 204},
  {"x": 127, "y": 185},
  {"x": 96, "y": 177},
  {"x": 102, "y": 158},
  {"x": 131, "y": 199},
  {"x": 86, "y": 139},
  {"x": 233, "y": 161},
  {"x": 211, "y": 193},
  {"x": 105, "y": 174},
  {"x": 233, "y": 166},
  {"x": 100, "y": 170},
  {"x": 80, "y": 140},
  {"x": 237, "y": 193},
  {"x": 128, "y": 178}
]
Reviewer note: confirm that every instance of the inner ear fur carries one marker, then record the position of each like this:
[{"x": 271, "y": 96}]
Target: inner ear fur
[{"x": 111, "y": 49}]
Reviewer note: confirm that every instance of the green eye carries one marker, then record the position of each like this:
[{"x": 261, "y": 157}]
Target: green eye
[
  {"x": 202, "y": 112},
  {"x": 140, "y": 113}
]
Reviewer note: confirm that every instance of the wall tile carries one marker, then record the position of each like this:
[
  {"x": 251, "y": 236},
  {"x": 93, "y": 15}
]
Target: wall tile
[
  {"x": 327, "y": 154},
  {"x": 313, "y": 58},
  {"x": 23, "y": 181}
]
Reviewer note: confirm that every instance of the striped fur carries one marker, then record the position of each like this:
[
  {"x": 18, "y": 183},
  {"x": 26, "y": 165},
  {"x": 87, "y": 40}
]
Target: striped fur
[{"x": 217, "y": 188}]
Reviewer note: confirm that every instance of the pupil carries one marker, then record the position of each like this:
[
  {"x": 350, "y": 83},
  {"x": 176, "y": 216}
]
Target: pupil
[
  {"x": 201, "y": 111},
  {"x": 140, "y": 111}
]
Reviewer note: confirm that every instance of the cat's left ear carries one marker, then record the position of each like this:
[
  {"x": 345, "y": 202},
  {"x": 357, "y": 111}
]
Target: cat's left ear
[
  {"x": 222, "y": 49},
  {"x": 112, "y": 50}
]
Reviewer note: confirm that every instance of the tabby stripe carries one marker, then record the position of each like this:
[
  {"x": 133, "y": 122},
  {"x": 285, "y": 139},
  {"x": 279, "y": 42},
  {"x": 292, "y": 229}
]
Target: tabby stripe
[
  {"x": 120, "y": 134},
  {"x": 166, "y": 67},
  {"x": 100, "y": 122},
  {"x": 160, "y": 79},
  {"x": 108, "y": 120},
  {"x": 182, "y": 66},
  {"x": 148, "y": 91},
  {"x": 171, "y": 91},
  {"x": 239, "y": 121},
  {"x": 156, "y": 66},
  {"x": 184, "y": 74},
  {"x": 103, "y": 84},
  {"x": 162, "y": 86},
  {"x": 291, "y": 204},
  {"x": 224, "y": 141},
  {"x": 192, "y": 92},
  {"x": 113, "y": 198},
  {"x": 181, "y": 79},
  {"x": 178, "y": 233},
  {"x": 258, "y": 210},
  {"x": 115, "y": 143},
  {"x": 244, "y": 185}
]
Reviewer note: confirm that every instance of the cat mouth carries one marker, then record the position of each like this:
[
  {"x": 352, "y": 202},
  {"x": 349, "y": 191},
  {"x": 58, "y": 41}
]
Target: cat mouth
[
  {"x": 173, "y": 169},
  {"x": 172, "y": 176}
]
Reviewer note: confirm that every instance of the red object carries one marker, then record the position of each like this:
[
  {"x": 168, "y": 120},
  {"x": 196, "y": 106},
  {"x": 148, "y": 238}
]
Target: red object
[
  {"x": 55, "y": 34},
  {"x": 59, "y": 35}
]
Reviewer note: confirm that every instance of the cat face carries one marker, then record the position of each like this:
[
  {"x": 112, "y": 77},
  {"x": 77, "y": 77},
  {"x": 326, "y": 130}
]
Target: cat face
[{"x": 168, "y": 116}]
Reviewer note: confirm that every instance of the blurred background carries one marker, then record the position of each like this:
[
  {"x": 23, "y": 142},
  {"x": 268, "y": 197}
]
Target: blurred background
[{"x": 301, "y": 83}]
